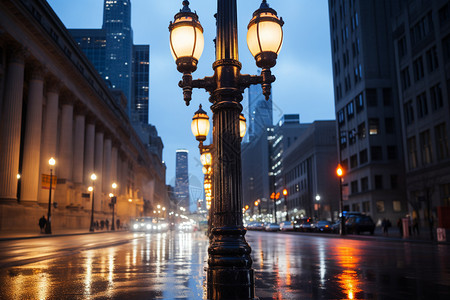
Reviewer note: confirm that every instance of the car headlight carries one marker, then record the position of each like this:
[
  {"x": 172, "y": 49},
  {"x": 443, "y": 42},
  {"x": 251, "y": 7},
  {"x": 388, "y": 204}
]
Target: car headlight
[
  {"x": 149, "y": 226},
  {"x": 135, "y": 226}
]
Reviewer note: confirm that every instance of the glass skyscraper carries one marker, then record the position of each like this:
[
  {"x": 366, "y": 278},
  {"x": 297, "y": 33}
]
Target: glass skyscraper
[
  {"x": 259, "y": 112},
  {"x": 182, "y": 179}
]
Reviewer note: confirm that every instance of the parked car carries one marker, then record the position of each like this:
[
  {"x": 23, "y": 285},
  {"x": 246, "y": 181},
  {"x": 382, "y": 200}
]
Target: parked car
[
  {"x": 302, "y": 224},
  {"x": 358, "y": 224},
  {"x": 255, "y": 226},
  {"x": 323, "y": 226},
  {"x": 286, "y": 225},
  {"x": 336, "y": 226},
  {"x": 272, "y": 227}
]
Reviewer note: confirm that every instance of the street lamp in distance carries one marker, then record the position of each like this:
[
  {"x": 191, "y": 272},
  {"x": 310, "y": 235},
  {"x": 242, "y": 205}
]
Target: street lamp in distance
[
  {"x": 48, "y": 227},
  {"x": 340, "y": 173},
  {"x": 93, "y": 178},
  {"x": 285, "y": 193}
]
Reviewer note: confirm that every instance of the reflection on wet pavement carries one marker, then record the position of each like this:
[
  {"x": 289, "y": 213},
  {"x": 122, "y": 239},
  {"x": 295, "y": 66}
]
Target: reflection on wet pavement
[
  {"x": 160, "y": 266},
  {"x": 287, "y": 266}
]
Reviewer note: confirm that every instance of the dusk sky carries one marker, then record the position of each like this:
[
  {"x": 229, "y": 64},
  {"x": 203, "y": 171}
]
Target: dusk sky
[{"x": 304, "y": 82}]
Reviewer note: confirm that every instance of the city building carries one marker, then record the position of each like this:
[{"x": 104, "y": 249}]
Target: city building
[
  {"x": 421, "y": 38},
  {"x": 123, "y": 65},
  {"x": 182, "y": 179},
  {"x": 260, "y": 115},
  {"x": 369, "y": 130},
  {"x": 54, "y": 103},
  {"x": 309, "y": 175}
]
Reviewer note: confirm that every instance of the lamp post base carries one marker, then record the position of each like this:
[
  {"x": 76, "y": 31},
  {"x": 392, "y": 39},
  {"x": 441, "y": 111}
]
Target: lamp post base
[{"x": 230, "y": 283}]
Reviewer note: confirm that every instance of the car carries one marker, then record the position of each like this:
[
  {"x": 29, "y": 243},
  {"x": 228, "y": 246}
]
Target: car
[
  {"x": 299, "y": 224},
  {"x": 286, "y": 225},
  {"x": 255, "y": 226},
  {"x": 323, "y": 226},
  {"x": 358, "y": 224},
  {"x": 144, "y": 224},
  {"x": 272, "y": 227}
]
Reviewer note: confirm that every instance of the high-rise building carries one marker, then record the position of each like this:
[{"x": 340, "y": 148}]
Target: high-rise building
[
  {"x": 182, "y": 179},
  {"x": 260, "y": 114},
  {"x": 367, "y": 107},
  {"x": 121, "y": 64},
  {"x": 422, "y": 58}
]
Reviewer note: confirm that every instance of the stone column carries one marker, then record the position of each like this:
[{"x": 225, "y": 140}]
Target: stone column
[
  {"x": 89, "y": 147},
  {"x": 114, "y": 155},
  {"x": 10, "y": 126},
  {"x": 32, "y": 141},
  {"x": 98, "y": 169},
  {"x": 50, "y": 134},
  {"x": 107, "y": 166},
  {"x": 65, "y": 165},
  {"x": 78, "y": 149}
]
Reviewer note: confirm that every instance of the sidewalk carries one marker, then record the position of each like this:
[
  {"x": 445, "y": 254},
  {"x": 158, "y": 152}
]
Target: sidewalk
[{"x": 32, "y": 234}]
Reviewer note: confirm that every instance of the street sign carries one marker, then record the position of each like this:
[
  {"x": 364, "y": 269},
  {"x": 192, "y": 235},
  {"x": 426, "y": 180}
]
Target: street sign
[{"x": 46, "y": 182}]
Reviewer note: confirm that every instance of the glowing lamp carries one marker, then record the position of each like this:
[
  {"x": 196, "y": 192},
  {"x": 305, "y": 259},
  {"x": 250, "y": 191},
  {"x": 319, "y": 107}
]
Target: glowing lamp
[
  {"x": 242, "y": 125},
  {"x": 200, "y": 124},
  {"x": 265, "y": 36}
]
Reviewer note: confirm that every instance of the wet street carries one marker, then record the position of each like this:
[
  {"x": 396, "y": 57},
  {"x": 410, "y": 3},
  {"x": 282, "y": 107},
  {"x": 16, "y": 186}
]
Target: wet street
[{"x": 171, "y": 266}]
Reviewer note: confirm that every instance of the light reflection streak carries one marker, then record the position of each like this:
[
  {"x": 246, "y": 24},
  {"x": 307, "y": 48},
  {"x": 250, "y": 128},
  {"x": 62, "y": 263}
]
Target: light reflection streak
[
  {"x": 88, "y": 275},
  {"x": 348, "y": 258},
  {"x": 43, "y": 285}
]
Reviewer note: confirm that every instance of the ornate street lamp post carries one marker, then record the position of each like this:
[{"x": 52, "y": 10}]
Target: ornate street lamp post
[
  {"x": 93, "y": 178},
  {"x": 340, "y": 174},
  {"x": 113, "y": 203},
  {"x": 229, "y": 274},
  {"x": 48, "y": 226}
]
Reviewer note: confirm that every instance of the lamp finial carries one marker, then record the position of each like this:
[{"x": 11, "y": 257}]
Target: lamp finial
[{"x": 185, "y": 6}]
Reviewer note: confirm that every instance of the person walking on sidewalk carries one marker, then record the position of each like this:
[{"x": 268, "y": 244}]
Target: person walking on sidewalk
[{"x": 42, "y": 223}]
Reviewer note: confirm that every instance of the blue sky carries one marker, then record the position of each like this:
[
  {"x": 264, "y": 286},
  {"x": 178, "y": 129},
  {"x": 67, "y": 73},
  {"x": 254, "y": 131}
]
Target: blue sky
[{"x": 304, "y": 82}]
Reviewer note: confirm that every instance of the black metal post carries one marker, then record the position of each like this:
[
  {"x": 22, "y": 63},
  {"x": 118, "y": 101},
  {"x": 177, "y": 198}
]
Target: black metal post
[
  {"x": 92, "y": 227},
  {"x": 286, "y": 208},
  {"x": 229, "y": 274},
  {"x": 275, "y": 209},
  {"x": 341, "y": 208},
  {"x": 113, "y": 203},
  {"x": 48, "y": 226}
]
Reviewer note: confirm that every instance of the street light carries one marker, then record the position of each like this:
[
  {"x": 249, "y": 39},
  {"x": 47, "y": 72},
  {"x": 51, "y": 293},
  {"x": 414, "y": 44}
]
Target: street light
[
  {"x": 285, "y": 193},
  {"x": 48, "y": 227},
  {"x": 93, "y": 178},
  {"x": 229, "y": 272},
  {"x": 318, "y": 206},
  {"x": 340, "y": 174}
]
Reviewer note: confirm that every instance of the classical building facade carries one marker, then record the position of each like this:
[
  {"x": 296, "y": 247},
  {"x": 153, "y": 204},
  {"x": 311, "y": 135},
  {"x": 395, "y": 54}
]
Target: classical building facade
[{"x": 55, "y": 104}]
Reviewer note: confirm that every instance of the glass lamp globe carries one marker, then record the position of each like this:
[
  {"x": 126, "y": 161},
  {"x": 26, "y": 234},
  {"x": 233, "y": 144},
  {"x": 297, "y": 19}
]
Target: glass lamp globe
[
  {"x": 206, "y": 159},
  {"x": 265, "y": 36},
  {"x": 242, "y": 126},
  {"x": 200, "y": 124},
  {"x": 186, "y": 39}
]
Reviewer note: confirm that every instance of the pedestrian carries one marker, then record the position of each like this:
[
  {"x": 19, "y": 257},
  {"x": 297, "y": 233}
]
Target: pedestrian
[
  {"x": 96, "y": 225},
  {"x": 117, "y": 224},
  {"x": 400, "y": 226},
  {"x": 384, "y": 225},
  {"x": 415, "y": 226},
  {"x": 102, "y": 224},
  {"x": 42, "y": 223},
  {"x": 107, "y": 224}
]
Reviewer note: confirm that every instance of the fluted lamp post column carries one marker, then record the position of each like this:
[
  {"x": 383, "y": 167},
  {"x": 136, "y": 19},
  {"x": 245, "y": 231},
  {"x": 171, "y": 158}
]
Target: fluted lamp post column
[
  {"x": 48, "y": 226},
  {"x": 230, "y": 274},
  {"x": 93, "y": 178}
]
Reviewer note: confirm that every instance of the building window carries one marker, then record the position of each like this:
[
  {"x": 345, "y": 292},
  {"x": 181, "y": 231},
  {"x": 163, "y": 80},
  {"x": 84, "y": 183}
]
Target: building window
[
  {"x": 402, "y": 48},
  {"x": 437, "y": 101},
  {"x": 394, "y": 181},
  {"x": 366, "y": 207},
  {"x": 363, "y": 157},
  {"x": 380, "y": 206},
  {"x": 441, "y": 142},
  {"x": 409, "y": 112},
  {"x": 405, "y": 79},
  {"x": 343, "y": 139},
  {"x": 376, "y": 153},
  {"x": 350, "y": 110},
  {"x": 422, "y": 105},
  {"x": 359, "y": 103},
  {"x": 353, "y": 161},
  {"x": 425, "y": 145},
  {"x": 341, "y": 117},
  {"x": 421, "y": 29},
  {"x": 444, "y": 14},
  {"x": 362, "y": 130},
  {"x": 374, "y": 126},
  {"x": 392, "y": 152},
  {"x": 418, "y": 69},
  {"x": 412, "y": 153},
  {"x": 432, "y": 59},
  {"x": 446, "y": 48},
  {"x": 389, "y": 125},
  {"x": 364, "y": 184},
  {"x": 371, "y": 97},
  {"x": 378, "y": 182},
  {"x": 397, "y": 205},
  {"x": 354, "y": 187},
  {"x": 352, "y": 136}
]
